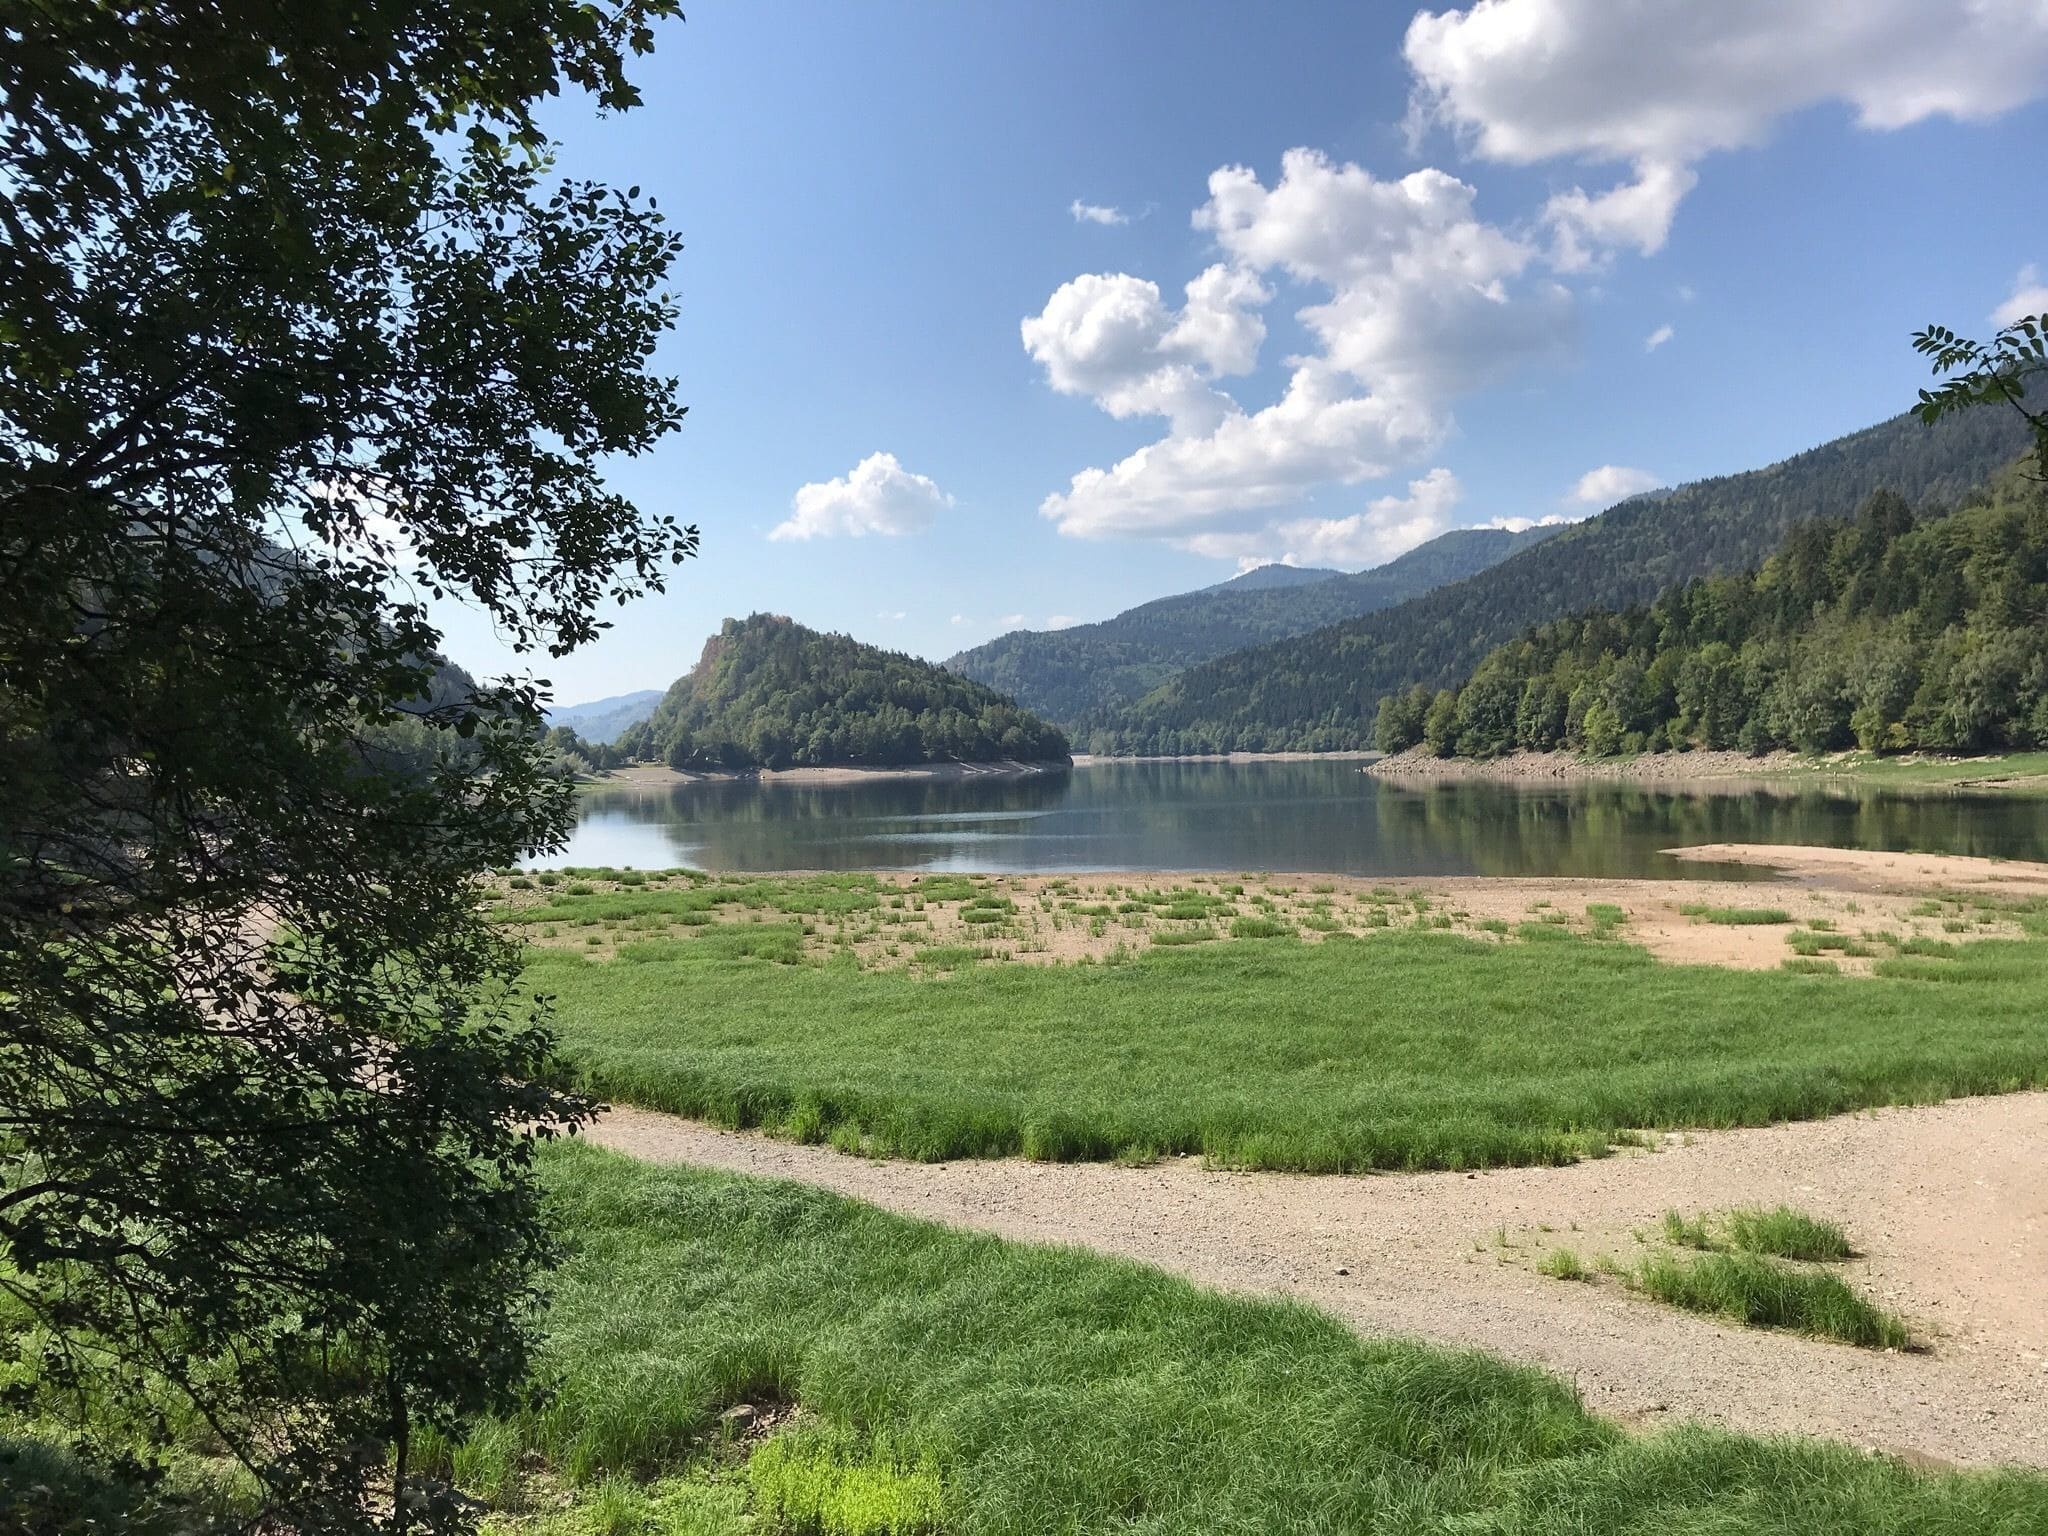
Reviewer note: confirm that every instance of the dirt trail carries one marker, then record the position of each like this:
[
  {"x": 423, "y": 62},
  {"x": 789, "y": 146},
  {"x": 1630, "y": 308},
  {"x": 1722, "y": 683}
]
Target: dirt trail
[{"x": 1949, "y": 1202}]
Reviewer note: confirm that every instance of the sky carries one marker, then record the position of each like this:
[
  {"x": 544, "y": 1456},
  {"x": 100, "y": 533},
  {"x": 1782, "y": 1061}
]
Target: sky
[{"x": 1015, "y": 317}]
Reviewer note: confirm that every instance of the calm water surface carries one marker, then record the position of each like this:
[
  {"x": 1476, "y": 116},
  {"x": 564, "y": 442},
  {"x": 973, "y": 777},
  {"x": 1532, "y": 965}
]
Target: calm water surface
[{"x": 1313, "y": 816}]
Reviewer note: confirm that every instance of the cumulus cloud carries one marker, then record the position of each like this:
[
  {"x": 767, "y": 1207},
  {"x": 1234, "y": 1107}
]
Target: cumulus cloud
[
  {"x": 1097, "y": 213},
  {"x": 877, "y": 496},
  {"x": 1610, "y": 483},
  {"x": 1657, "y": 338},
  {"x": 1114, "y": 338},
  {"x": 1424, "y": 301},
  {"x": 1060, "y": 621},
  {"x": 1661, "y": 84},
  {"x": 1389, "y": 526},
  {"x": 2029, "y": 297}
]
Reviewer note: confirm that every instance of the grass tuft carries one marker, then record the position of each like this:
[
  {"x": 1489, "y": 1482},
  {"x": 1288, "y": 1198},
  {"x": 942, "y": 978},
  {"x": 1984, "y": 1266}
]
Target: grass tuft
[
  {"x": 1753, "y": 1290},
  {"x": 1787, "y": 1234}
]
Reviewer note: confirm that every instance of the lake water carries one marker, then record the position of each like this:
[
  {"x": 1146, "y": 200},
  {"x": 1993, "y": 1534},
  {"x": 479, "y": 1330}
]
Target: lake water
[{"x": 1324, "y": 817}]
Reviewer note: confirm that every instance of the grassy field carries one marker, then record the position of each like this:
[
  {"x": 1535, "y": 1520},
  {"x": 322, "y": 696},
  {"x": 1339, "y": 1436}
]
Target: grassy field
[
  {"x": 729, "y": 1349},
  {"x": 2014, "y": 773},
  {"x": 1407, "y": 1048}
]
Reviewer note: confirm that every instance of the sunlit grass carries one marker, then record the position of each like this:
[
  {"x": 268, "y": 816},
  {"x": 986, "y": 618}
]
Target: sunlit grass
[
  {"x": 1398, "y": 1049},
  {"x": 1014, "y": 1389}
]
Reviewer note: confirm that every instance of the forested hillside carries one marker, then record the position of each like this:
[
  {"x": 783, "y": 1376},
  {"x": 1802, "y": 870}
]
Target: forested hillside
[
  {"x": 1320, "y": 691},
  {"x": 769, "y": 693},
  {"x": 1077, "y": 673},
  {"x": 1869, "y": 632}
]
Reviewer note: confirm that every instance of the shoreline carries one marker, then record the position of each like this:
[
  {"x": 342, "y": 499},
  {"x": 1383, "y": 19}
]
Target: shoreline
[
  {"x": 2025, "y": 772},
  {"x": 661, "y": 776},
  {"x": 1095, "y": 759}
]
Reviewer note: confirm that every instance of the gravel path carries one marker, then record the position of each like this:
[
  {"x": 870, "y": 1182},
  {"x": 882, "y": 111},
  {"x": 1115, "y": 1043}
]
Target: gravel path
[{"x": 1949, "y": 1201}]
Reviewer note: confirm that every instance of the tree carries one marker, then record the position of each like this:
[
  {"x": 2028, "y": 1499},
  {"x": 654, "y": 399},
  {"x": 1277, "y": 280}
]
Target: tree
[
  {"x": 2004, "y": 372},
  {"x": 301, "y": 329}
]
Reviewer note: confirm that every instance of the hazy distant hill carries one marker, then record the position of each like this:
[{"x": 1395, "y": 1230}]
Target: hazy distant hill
[
  {"x": 604, "y": 719},
  {"x": 769, "y": 693},
  {"x": 1071, "y": 674},
  {"x": 1319, "y": 691}
]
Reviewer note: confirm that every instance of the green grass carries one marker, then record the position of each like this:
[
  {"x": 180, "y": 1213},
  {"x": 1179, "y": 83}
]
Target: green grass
[
  {"x": 1563, "y": 1264},
  {"x": 1738, "y": 917},
  {"x": 1022, "y": 1389},
  {"x": 2016, "y": 772},
  {"x": 1787, "y": 1234},
  {"x": 1401, "y": 1050},
  {"x": 1686, "y": 1232},
  {"x": 1750, "y": 1289}
]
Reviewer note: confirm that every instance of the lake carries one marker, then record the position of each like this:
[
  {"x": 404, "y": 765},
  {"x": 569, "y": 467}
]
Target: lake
[{"x": 1325, "y": 817}]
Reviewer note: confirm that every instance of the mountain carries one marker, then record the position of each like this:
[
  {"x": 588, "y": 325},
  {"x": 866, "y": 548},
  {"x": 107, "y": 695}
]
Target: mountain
[
  {"x": 604, "y": 719},
  {"x": 1081, "y": 673},
  {"x": 1871, "y": 632},
  {"x": 769, "y": 693},
  {"x": 1319, "y": 691},
  {"x": 1266, "y": 578}
]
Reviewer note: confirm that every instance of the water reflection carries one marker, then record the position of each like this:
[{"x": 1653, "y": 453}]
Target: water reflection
[{"x": 1322, "y": 816}]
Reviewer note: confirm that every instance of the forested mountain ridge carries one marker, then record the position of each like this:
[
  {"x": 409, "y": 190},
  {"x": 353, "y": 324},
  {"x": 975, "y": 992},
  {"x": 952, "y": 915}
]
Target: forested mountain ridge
[
  {"x": 769, "y": 693},
  {"x": 1080, "y": 673},
  {"x": 1871, "y": 632},
  {"x": 1320, "y": 691}
]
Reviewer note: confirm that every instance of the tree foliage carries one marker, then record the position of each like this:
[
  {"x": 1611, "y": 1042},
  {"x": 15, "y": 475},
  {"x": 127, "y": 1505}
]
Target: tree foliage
[
  {"x": 1320, "y": 690},
  {"x": 300, "y": 328},
  {"x": 772, "y": 694},
  {"x": 1081, "y": 676},
  {"x": 1870, "y": 632}
]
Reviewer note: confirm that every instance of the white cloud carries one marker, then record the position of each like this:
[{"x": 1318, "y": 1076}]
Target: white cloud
[
  {"x": 1424, "y": 302},
  {"x": 1111, "y": 336},
  {"x": 892, "y": 615},
  {"x": 877, "y": 496},
  {"x": 1610, "y": 483},
  {"x": 1011, "y": 621},
  {"x": 1661, "y": 84},
  {"x": 1060, "y": 621},
  {"x": 958, "y": 618},
  {"x": 2029, "y": 297},
  {"x": 1524, "y": 524},
  {"x": 1657, "y": 338},
  {"x": 1389, "y": 526},
  {"x": 1097, "y": 213}
]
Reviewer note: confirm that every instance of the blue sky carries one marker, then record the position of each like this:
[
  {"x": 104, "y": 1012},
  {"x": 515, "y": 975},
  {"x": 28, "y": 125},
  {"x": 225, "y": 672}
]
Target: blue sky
[{"x": 1485, "y": 216}]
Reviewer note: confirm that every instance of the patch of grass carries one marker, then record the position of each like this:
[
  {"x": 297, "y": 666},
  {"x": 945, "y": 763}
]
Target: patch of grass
[
  {"x": 1039, "y": 1389},
  {"x": 1785, "y": 1233},
  {"x": 1260, "y": 928},
  {"x": 1801, "y": 965},
  {"x": 802, "y": 1486},
  {"x": 950, "y": 957},
  {"x": 1563, "y": 1264},
  {"x": 1737, "y": 917},
  {"x": 1201, "y": 933},
  {"x": 1403, "y": 1050},
  {"x": 1684, "y": 1232},
  {"x": 1754, "y": 1290}
]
